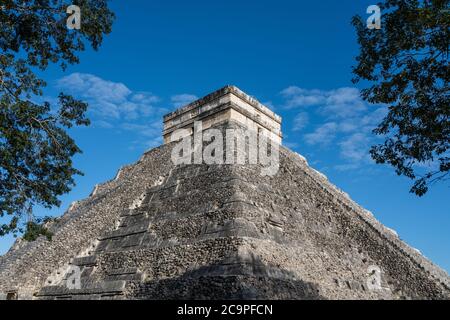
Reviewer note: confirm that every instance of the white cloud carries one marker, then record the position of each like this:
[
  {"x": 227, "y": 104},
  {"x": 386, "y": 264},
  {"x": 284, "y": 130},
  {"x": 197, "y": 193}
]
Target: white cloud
[
  {"x": 108, "y": 99},
  {"x": 347, "y": 167},
  {"x": 355, "y": 148},
  {"x": 343, "y": 103},
  {"x": 299, "y": 97},
  {"x": 103, "y": 124},
  {"x": 143, "y": 97},
  {"x": 146, "y": 130},
  {"x": 323, "y": 135},
  {"x": 343, "y": 96},
  {"x": 300, "y": 121},
  {"x": 341, "y": 116},
  {"x": 112, "y": 105},
  {"x": 181, "y": 100},
  {"x": 91, "y": 86},
  {"x": 348, "y": 126},
  {"x": 338, "y": 103}
]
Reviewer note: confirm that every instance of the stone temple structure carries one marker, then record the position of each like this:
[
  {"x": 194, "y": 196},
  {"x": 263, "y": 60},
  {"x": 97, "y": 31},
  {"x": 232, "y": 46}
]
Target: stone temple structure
[{"x": 197, "y": 231}]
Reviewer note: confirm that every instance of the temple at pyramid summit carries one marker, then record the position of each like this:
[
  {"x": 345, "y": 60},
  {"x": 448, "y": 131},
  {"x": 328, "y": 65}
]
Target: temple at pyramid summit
[{"x": 165, "y": 230}]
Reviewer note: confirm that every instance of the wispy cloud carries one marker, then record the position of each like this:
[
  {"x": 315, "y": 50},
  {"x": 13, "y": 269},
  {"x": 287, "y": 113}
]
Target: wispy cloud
[
  {"x": 109, "y": 100},
  {"x": 300, "y": 121},
  {"x": 354, "y": 148},
  {"x": 299, "y": 97},
  {"x": 322, "y": 135},
  {"x": 112, "y": 105},
  {"x": 151, "y": 130},
  {"x": 339, "y": 116},
  {"x": 180, "y": 100},
  {"x": 150, "y": 133},
  {"x": 340, "y": 103}
]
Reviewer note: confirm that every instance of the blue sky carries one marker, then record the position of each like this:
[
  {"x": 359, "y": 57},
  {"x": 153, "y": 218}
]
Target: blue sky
[{"x": 294, "y": 56}]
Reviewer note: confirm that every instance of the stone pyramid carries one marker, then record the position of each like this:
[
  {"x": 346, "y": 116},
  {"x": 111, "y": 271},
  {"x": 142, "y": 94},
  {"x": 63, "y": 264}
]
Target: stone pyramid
[{"x": 198, "y": 231}]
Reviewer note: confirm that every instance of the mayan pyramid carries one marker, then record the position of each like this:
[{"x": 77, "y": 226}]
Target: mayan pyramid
[{"x": 161, "y": 230}]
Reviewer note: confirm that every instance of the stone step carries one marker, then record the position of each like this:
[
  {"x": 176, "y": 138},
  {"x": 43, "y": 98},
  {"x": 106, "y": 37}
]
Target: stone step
[
  {"x": 101, "y": 288},
  {"x": 131, "y": 274},
  {"x": 130, "y": 221},
  {"x": 122, "y": 243},
  {"x": 84, "y": 261},
  {"x": 123, "y": 271},
  {"x": 127, "y": 231}
]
